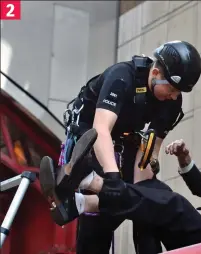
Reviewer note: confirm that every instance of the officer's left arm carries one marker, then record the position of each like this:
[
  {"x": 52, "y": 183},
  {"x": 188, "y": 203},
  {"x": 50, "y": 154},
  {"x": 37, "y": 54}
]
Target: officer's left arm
[
  {"x": 157, "y": 147},
  {"x": 166, "y": 119}
]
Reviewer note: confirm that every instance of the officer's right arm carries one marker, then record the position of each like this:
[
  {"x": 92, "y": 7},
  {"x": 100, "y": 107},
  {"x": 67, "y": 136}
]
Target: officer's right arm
[
  {"x": 110, "y": 101},
  {"x": 103, "y": 122}
]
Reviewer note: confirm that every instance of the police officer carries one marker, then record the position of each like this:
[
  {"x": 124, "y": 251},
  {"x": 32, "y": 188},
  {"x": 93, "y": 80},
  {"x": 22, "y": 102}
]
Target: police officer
[
  {"x": 187, "y": 168},
  {"x": 123, "y": 99}
]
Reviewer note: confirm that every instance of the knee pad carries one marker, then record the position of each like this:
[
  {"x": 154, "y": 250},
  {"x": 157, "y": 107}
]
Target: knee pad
[{"x": 113, "y": 195}]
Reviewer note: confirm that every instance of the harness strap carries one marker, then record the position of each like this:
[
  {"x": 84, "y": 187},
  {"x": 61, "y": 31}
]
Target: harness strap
[{"x": 180, "y": 116}]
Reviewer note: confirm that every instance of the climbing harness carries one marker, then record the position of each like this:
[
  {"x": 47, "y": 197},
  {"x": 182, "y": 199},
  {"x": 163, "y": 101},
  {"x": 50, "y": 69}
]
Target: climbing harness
[{"x": 71, "y": 119}]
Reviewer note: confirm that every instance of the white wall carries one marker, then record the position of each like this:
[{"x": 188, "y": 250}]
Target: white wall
[
  {"x": 57, "y": 46},
  {"x": 31, "y": 43},
  {"x": 141, "y": 30},
  {"x": 69, "y": 52},
  {"x": 102, "y": 46}
]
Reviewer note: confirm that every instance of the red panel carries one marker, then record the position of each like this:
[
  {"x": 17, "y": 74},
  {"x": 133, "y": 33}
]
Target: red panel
[
  {"x": 10, "y": 163},
  {"x": 31, "y": 133},
  {"x": 33, "y": 231},
  {"x": 7, "y": 138},
  {"x": 65, "y": 238},
  {"x": 34, "y": 225},
  {"x": 18, "y": 169},
  {"x": 194, "y": 249}
]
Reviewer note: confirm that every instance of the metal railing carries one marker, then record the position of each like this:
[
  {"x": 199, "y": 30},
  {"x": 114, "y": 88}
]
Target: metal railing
[
  {"x": 33, "y": 106},
  {"x": 32, "y": 97}
]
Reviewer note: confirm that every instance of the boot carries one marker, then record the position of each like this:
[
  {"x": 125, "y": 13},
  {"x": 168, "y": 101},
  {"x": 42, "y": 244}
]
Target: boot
[{"x": 56, "y": 191}]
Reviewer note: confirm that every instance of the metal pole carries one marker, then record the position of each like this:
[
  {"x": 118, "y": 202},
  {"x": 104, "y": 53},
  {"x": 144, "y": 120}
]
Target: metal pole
[
  {"x": 14, "y": 206},
  {"x": 10, "y": 183}
]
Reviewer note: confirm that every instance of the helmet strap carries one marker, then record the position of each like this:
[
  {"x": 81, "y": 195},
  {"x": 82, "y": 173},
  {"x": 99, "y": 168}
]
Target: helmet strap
[{"x": 155, "y": 82}]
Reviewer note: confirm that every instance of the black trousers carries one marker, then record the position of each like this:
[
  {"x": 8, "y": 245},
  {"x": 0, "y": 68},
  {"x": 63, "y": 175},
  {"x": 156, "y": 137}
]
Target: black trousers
[
  {"x": 95, "y": 236},
  {"x": 95, "y": 233},
  {"x": 152, "y": 205}
]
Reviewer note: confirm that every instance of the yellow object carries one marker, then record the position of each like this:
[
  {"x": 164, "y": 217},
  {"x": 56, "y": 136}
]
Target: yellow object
[
  {"x": 141, "y": 90},
  {"x": 126, "y": 133},
  {"x": 20, "y": 156},
  {"x": 151, "y": 137}
]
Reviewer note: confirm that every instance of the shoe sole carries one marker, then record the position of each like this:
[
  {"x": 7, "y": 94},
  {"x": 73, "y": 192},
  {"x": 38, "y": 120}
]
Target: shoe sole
[
  {"x": 47, "y": 175},
  {"x": 81, "y": 149},
  {"x": 47, "y": 180}
]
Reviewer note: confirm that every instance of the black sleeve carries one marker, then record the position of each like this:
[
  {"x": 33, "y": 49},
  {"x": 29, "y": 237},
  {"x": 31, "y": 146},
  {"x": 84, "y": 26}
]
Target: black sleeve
[
  {"x": 116, "y": 83},
  {"x": 168, "y": 116},
  {"x": 193, "y": 180}
]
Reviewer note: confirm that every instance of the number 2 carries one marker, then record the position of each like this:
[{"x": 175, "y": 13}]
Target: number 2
[{"x": 10, "y": 12}]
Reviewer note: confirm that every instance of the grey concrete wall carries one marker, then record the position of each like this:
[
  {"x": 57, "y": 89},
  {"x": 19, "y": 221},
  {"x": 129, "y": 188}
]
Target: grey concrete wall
[{"x": 141, "y": 30}]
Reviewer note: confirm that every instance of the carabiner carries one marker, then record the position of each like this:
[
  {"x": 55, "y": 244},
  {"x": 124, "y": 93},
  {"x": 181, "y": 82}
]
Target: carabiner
[
  {"x": 67, "y": 111},
  {"x": 77, "y": 111}
]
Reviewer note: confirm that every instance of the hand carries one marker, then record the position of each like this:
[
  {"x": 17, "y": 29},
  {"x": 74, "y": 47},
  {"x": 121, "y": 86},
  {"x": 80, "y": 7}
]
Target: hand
[{"x": 179, "y": 149}]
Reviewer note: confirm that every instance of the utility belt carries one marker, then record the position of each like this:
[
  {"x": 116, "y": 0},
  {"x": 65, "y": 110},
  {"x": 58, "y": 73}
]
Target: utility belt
[{"x": 143, "y": 140}]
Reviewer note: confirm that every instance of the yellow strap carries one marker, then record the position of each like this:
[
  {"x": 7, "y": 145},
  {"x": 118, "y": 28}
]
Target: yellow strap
[{"x": 148, "y": 147}]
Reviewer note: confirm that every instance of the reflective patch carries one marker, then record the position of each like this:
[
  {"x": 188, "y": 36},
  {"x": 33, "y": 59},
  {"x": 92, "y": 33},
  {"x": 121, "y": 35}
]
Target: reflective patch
[
  {"x": 176, "y": 79},
  {"x": 141, "y": 90},
  {"x": 110, "y": 102},
  {"x": 113, "y": 95}
]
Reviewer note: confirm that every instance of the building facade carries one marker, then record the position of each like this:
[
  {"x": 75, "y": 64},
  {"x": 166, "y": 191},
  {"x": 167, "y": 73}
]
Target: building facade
[{"x": 59, "y": 45}]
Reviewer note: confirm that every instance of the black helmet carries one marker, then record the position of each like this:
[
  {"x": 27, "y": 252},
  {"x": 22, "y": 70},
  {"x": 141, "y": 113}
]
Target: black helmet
[{"x": 181, "y": 62}]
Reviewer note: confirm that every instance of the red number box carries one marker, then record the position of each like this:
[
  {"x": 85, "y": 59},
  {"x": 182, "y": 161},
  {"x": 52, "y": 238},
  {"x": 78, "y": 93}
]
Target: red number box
[{"x": 10, "y": 10}]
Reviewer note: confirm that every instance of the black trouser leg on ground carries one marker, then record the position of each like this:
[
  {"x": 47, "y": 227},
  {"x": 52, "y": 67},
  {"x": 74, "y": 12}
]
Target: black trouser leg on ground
[
  {"x": 150, "y": 204},
  {"x": 95, "y": 234},
  {"x": 146, "y": 241}
]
